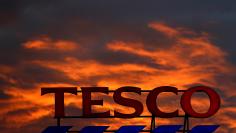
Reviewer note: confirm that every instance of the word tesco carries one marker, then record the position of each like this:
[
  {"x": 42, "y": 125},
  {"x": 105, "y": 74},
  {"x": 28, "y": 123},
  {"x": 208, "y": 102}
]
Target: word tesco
[{"x": 151, "y": 99}]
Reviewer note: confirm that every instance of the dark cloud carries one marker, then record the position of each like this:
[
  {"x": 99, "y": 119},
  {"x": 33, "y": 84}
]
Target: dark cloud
[
  {"x": 8, "y": 11},
  {"x": 4, "y": 96},
  {"x": 29, "y": 76},
  {"x": 92, "y": 22}
]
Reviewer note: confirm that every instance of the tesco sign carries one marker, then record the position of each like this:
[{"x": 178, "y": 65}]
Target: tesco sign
[{"x": 151, "y": 103}]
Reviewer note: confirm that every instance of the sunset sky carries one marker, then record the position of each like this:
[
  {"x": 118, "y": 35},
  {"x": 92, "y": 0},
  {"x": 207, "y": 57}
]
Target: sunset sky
[{"x": 114, "y": 43}]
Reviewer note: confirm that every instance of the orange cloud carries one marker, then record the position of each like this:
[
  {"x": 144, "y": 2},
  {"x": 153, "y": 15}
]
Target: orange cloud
[
  {"x": 165, "y": 29},
  {"x": 78, "y": 69},
  {"x": 192, "y": 58},
  {"x": 48, "y": 44}
]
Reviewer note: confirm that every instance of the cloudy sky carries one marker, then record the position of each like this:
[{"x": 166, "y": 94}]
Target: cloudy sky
[{"x": 113, "y": 43}]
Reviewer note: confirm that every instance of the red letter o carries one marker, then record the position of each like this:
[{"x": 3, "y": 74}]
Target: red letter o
[{"x": 214, "y": 102}]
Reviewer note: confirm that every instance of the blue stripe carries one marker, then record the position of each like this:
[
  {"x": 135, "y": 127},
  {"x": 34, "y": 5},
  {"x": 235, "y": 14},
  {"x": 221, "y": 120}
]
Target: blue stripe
[
  {"x": 130, "y": 129},
  {"x": 204, "y": 129},
  {"x": 94, "y": 129},
  {"x": 167, "y": 129}
]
